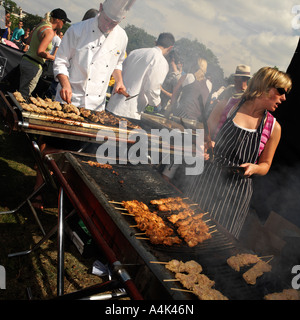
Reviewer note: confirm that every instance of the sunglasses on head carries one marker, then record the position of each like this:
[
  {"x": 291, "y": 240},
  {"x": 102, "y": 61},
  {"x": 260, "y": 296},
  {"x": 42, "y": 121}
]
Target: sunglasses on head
[{"x": 281, "y": 91}]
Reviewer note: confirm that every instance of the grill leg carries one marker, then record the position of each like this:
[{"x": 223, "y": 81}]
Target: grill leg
[
  {"x": 24, "y": 202},
  {"x": 44, "y": 239},
  {"x": 27, "y": 201},
  {"x": 60, "y": 253}
]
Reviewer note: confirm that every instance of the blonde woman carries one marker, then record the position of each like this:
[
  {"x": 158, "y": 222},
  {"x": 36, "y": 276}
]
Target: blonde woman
[
  {"x": 191, "y": 90},
  {"x": 40, "y": 40},
  {"x": 245, "y": 137}
]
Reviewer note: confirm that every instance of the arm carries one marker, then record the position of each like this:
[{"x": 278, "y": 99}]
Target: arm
[
  {"x": 45, "y": 39},
  {"x": 215, "y": 117},
  {"x": 62, "y": 63},
  {"x": 266, "y": 157},
  {"x": 119, "y": 85},
  {"x": 175, "y": 95}
]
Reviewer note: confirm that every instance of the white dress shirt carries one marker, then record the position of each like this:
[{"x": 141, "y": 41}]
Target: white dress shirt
[
  {"x": 89, "y": 58},
  {"x": 144, "y": 71}
]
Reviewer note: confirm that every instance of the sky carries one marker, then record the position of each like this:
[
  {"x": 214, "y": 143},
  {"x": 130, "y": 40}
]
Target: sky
[{"x": 257, "y": 33}]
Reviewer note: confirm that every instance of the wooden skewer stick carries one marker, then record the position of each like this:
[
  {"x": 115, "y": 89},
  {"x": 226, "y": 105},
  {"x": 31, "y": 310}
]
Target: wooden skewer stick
[
  {"x": 140, "y": 234},
  {"x": 270, "y": 260},
  {"x": 211, "y": 227},
  {"x": 133, "y": 226},
  {"x": 140, "y": 238},
  {"x": 182, "y": 290},
  {"x": 122, "y": 209},
  {"x": 115, "y": 202},
  {"x": 159, "y": 262},
  {"x": 264, "y": 257},
  {"x": 207, "y": 220},
  {"x": 127, "y": 214},
  {"x": 213, "y": 231},
  {"x": 169, "y": 280}
]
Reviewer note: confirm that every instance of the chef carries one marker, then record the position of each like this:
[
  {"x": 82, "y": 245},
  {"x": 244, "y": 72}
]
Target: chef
[
  {"x": 144, "y": 72},
  {"x": 90, "y": 52}
]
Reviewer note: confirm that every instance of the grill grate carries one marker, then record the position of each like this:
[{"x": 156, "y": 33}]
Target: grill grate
[{"x": 144, "y": 183}]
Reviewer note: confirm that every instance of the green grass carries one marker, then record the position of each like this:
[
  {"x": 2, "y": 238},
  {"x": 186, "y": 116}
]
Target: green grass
[{"x": 19, "y": 231}]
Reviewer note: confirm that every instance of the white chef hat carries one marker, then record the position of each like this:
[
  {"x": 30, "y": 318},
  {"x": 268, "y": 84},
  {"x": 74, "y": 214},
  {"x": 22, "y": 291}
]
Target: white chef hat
[{"x": 117, "y": 9}]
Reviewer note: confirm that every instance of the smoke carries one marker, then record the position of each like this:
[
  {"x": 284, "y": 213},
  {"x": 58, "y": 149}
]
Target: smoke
[{"x": 279, "y": 192}]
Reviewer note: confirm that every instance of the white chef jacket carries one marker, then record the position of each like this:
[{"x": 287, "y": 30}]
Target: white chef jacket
[
  {"x": 144, "y": 71},
  {"x": 89, "y": 58}
]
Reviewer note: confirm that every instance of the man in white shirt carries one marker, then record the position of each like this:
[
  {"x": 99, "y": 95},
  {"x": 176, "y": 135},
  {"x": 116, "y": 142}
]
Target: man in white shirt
[
  {"x": 144, "y": 71},
  {"x": 90, "y": 52}
]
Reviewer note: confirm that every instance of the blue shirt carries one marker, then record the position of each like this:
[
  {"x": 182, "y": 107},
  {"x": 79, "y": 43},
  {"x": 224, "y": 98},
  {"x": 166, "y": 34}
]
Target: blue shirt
[{"x": 17, "y": 34}]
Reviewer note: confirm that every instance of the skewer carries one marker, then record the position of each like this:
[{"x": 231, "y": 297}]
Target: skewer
[
  {"x": 127, "y": 214},
  {"x": 140, "y": 238},
  {"x": 207, "y": 220},
  {"x": 211, "y": 227},
  {"x": 159, "y": 262},
  {"x": 133, "y": 226},
  {"x": 182, "y": 290},
  {"x": 270, "y": 260},
  {"x": 140, "y": 234},
  {"x": 114, "y": 202},
  {"x": 264, "y": 257},
  {"x": 122, "y": 209},
  {"x": 213, "y": 231},
  {"x": 169, "y": 280}
]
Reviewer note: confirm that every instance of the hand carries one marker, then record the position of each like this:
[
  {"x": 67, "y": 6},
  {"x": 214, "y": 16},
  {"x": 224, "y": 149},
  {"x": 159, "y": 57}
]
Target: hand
[
  {"x": 208, "y": 149},
  {"x": 66, "y": 90},
  {"x": 66, "y": 94},
  {"x": 250, "y": 169},
  {"x": 120, "y": 88}
]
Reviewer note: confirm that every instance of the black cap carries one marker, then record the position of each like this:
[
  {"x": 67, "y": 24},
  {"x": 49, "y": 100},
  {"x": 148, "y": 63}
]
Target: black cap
[{"x": 60, "y": 14}]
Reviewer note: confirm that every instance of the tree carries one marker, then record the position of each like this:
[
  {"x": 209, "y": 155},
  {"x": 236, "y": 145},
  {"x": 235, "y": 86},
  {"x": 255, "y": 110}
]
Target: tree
[{"x": 138, "y": 38}]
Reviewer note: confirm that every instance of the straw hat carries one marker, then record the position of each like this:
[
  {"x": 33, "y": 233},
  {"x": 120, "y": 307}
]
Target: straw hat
[
  {"x": 242, "y": 71},
  {"x": 117, "y": 9}
]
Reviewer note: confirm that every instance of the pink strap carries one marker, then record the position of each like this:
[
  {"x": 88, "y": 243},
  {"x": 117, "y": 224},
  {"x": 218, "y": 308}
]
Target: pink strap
[{"x": 267, "y": 130}]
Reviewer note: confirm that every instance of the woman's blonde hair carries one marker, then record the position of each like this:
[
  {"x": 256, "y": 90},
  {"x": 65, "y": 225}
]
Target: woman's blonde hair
[
  {"x": 202, "y": 68},
  {"x": 47, "y": 17},
  {"x": 265, "y": 79}
]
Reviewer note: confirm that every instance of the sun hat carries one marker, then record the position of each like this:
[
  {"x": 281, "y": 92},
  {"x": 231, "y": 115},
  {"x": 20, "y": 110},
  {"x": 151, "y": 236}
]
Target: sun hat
[{"x": 243, "y": 71}]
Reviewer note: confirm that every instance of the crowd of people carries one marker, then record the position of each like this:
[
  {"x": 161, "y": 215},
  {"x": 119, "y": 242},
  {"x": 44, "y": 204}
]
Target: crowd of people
[{"x": 243, "y": 133}]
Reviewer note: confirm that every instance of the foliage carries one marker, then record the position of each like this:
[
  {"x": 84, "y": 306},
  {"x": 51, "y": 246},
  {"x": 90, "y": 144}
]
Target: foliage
[{"x": 138, "y": 38}]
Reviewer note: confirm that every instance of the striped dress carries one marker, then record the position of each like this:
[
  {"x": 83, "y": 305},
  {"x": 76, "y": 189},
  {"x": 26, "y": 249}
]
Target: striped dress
[{"x": 226, "y": 195}]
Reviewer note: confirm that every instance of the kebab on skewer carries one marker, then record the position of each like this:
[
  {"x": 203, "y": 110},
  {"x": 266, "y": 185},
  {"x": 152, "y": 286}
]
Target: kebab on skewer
[
  {"x": 166, "y": 200},
  {"x": 241, "y": 260},
  {"x": 256, "y": 271},
  {"x": 151, "y": 223},
  {"x": 198, "y": 284},
  {"x": 18, "y": 96},
  {"x": 193, "y": 230},
  {"x": 287, "y": 294},
  {"x": 207, "y": 293},
  {"x": 190, "y": 280},
  {"x": 177, "y": 266}
]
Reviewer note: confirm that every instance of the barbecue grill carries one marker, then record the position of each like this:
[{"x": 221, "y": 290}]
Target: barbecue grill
[
  {"x": 92, "y": 192},
  {"x": 17, "y": 119}
]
